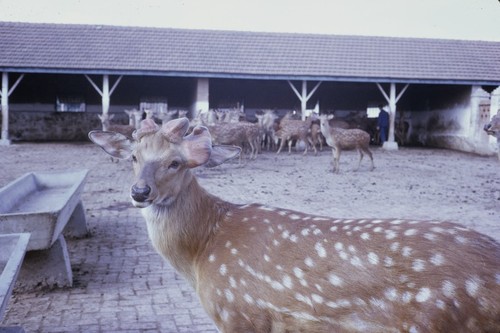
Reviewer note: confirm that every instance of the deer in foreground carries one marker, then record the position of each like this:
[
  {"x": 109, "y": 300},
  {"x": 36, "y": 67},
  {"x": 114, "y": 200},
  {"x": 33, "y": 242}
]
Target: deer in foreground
[
  {"x": 343, "y": 139},
  {"x": 493, "y": 128},
  {"x": 258, "y": 268}
]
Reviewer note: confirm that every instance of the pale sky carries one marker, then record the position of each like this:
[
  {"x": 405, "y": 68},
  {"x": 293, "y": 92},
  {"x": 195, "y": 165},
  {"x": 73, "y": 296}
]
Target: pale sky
[{"x": 456, "y": 19}]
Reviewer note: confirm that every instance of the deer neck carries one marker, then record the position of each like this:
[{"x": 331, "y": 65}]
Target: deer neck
[{"x": 181, "y": 230}]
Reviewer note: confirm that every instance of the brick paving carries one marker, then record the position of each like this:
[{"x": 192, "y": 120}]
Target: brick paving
[{"x": 122, "y": 285}]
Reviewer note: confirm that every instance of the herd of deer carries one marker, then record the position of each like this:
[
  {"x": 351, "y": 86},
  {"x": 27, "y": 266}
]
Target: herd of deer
[
  {"x": 258, "y": 268},
  {"x": 231, "y": 128}
]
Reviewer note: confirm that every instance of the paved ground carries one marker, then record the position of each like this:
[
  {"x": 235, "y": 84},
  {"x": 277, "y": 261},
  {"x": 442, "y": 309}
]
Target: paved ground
[{"x": 122, "y": 285}]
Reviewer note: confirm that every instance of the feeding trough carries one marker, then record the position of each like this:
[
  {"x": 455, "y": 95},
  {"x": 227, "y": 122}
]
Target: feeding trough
[
  {"x": 12, "y": 250},
  {"x": 45, "y": 204}
]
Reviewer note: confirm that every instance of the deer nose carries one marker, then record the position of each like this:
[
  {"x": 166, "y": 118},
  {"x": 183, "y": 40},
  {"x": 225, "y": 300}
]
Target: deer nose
[{"x": 140, "y": 194}]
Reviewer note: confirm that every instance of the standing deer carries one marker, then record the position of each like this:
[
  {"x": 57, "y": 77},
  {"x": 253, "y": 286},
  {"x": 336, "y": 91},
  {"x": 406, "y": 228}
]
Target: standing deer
[
  {"x": 493, "y": 128},
  {"x": 264, "y": 269},
  {"x": 294, "y": 129},
  {"x": 343, "y": 139}
]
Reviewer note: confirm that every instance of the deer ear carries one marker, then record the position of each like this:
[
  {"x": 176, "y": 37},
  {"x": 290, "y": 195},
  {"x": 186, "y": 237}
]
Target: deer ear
[
  {"x": 197, "y": 147},
  {"x": 174, "y": 130},
  {"x": 115, "y": 144},
  {"x": 221, "y": 154}
]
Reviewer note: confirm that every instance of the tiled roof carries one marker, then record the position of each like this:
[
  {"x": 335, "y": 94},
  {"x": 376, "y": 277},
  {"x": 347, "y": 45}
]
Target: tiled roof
[{"x": 66, "y": 48}]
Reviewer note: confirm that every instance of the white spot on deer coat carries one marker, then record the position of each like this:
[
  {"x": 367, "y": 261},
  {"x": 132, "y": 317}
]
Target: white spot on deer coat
[
  {"x": 418, "y": 265},
  {"x": 266, "y": 258},
  {"x": 390, "y": 234},
  {"x": 317, "y": 298},
  {"x": 406, "y": 297},
  {"x": 287, "y": 282},
  {"x": 391, "y": 294},
  {"x": 388, "y": 262},
  {"x": 309, "y": 262},
  {"x": 294, "y": 217},
  {"x": 339, "y": 246},
  {"x": 299, "y": 273},
  {"x": 394, "y": 246},
  {"x": 365, "y": 236},
  {"x": 320, "y": 249},
  {"x": 430, "y": 236},
  {"x": 248, "y": 299},
  {"x": 437, "y": 259},
  {"x": 472, "y": 286},
  {"x": 410, "y": 232},
  {"x": 211, "y": 258},
  {"x": 406, "y": 251},
  {"x": 223, "y": 269},
  {"x": 305, "y": 232},
  {"x": 423, "y": 295},
  {"x": 229, "y": 295},
  {"x": 234, "y": 251},
  {"x": 373, "y": 258},
  {"x": 335, "y": 280},
  {"x": 448, "y": 289}
]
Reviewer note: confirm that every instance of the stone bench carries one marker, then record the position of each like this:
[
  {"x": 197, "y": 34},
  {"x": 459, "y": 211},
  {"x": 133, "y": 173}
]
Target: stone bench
[
  {"x": 12, "y": 250},
  {"x": 45, "y": 205}
]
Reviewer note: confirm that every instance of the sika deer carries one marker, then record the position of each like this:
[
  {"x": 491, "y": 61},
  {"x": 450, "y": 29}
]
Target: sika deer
[
  {"x": 493, "y": 128},
  {"x": 292, "y": 129},
  {"x": 342, "y": 139},
  {"x": 126, "y": 130},
  {"x": 263, "y": 269}
]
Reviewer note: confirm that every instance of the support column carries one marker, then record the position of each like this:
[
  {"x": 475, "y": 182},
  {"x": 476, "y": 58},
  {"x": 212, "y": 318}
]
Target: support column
[
  {"x": 105, "y": 92},
  {"x": 4, "y": 140},
  {"x": 304, "y": 96},
  {"x": 201, "y": 96},
  {"x": 4, "y": 94},
  {"x": 392, "y": 100}
]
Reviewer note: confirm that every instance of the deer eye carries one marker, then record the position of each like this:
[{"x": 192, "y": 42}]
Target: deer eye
[
  {"x": 134, "y": 158},
  {"x": 174, "y": 165}
]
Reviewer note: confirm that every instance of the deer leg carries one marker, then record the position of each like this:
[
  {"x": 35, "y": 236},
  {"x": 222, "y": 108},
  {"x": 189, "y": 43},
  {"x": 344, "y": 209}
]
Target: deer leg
[
  {"x": 289, "y": 146},
  {"x": 360, "y": 158},
  {"x": 369, "y": 153},
  {"x": 282, "y": 143},
  {"x": 313, "y": 145}
]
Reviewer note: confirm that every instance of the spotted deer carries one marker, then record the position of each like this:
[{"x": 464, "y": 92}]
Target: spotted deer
[
  {"x": 493, "y": 128},
  {"x": 343, "y": 139},
  {"x": 258, "y": 268},
  {"x": 106, "y": 118},
  {"x": 294, "y": 129}
]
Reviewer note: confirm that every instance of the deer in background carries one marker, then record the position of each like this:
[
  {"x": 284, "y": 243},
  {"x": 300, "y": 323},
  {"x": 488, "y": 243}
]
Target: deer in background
[
  {"x": 258, "y": 268},
  {"x": 493, "y": 128},
  {"x": 126, "y": 130},
  {"x": 267, "y": 122},
  {"x": 294, "y": 129},
  {"x": 343, "y": 139}
]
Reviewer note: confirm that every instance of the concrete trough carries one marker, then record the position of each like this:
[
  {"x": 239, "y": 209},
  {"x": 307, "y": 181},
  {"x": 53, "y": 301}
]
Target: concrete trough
[
  {"x": 44, "y": 205},
  {"x": 41, "y": 204},
  {"x": 12, "y": 250}
]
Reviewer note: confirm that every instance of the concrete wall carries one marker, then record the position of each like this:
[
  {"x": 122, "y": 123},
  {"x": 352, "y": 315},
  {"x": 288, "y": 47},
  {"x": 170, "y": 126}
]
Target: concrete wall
[
  {"x": 458, "y": 126},
  {"x": 39, "y": 122}
]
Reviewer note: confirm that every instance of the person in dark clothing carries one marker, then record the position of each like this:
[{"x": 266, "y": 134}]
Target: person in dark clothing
[{"x": 383, "y": 124}]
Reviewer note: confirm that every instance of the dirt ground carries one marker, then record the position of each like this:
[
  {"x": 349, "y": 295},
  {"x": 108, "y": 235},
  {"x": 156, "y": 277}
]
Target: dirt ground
[{"x": 121, "y": 284}]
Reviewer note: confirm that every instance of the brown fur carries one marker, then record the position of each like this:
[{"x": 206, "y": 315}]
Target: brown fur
[{"x": 263, "y": 269}]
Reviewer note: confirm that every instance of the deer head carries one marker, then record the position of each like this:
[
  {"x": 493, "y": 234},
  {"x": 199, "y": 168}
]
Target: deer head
[{"x": 164, "y": 167}]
